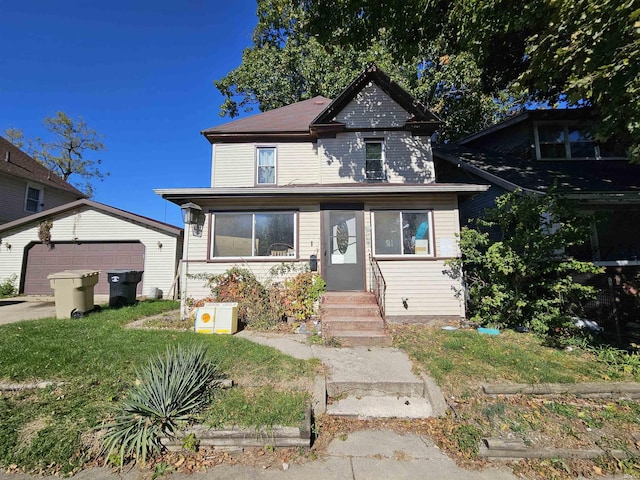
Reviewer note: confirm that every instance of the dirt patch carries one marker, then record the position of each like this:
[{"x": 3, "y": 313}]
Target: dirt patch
[{"x": 29, "y": 432}]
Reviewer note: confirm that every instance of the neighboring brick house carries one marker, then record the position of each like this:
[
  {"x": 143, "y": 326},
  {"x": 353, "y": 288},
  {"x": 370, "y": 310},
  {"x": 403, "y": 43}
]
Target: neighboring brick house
[
  {"x": 27, "y": 187},
  {"x": 348, "y": 182}
]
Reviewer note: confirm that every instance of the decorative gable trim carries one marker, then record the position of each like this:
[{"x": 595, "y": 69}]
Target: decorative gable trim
[{"x": 422, "y": 121}]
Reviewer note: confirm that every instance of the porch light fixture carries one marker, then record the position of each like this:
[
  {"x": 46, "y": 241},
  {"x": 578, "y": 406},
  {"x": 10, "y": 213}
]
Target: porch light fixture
[{"x": 191, "y": 215}]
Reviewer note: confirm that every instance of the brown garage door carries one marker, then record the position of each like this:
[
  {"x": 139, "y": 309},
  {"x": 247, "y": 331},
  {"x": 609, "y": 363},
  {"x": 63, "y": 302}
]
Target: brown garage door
[{"x": 42, "y": 261}]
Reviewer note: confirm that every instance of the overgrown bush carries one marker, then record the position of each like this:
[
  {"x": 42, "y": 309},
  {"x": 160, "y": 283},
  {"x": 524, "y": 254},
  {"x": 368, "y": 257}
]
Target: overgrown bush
[
  {"x": 256, "y": 305},
  {"x": 8, "y": 286},
  {"x": 300, "y": 294},
  {"x": 525, "y": 278},
  {"x": 168, "y": 391},
  {"x": 264, "y": 306}
]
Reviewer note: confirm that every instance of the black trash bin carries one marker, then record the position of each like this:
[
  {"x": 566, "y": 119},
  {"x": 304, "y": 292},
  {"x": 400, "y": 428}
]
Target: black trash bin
[{"x": 122, "y": 287}]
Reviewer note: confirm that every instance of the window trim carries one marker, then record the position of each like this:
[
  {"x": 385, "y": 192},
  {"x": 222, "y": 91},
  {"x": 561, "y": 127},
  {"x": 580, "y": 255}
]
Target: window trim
[
  {"x": 257, "y": 164},
  {"x": 252, "y": 257},
  {"x": 566, "y": 125},
  {"x": 412, "y": 256},
  {"x": 40, "y": 203},
  {"x": 383, "y": 159}
]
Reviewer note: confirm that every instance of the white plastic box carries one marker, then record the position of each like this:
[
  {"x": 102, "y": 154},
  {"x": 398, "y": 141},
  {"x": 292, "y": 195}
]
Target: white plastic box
[
  {"x": 226, "y": 317},
  {"x": 205, "y": 319}
]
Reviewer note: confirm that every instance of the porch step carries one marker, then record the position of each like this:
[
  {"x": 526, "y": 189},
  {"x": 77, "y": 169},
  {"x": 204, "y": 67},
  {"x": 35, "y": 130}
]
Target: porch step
[
  {"x": 353, "y": 318},
  {"x": 348, "y": 298},
  {"x": 368, "y": 407}
]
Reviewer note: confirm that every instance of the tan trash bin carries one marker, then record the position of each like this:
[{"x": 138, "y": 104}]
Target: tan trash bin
[{"x": 73, "y": 292}]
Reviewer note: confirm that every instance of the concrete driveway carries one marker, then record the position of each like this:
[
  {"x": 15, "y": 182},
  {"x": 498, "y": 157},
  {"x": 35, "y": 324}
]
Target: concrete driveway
[{"x": 16, "y": 309}]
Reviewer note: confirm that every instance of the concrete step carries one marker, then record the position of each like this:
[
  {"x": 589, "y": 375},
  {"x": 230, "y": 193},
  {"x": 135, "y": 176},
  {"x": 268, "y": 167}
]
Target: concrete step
[
  {"x": 354, "y": 310},
  {"x": 359, "y": 338},
  {"x": 368, "y": 407},
  {"x": 382, "y": 388},
  {"x": 356, "y": 323},
  {"x": 348, "y": 298}
]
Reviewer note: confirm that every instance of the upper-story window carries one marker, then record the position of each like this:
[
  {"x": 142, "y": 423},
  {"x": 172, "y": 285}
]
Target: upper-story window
[
  {"x": 556, "y": 141},
  {"x": 266, "y": 166},
  {"x": 33, "y": 199},
  {"x": 374, "y": 159}
]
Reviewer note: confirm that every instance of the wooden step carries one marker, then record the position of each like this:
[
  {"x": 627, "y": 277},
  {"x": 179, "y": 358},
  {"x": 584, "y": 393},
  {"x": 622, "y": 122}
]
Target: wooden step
[
  {"x": 355, "y": 310},
  {"x": 348, "y": 298}
]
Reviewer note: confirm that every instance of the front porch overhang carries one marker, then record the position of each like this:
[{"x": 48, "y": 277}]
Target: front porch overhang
[{"x": 339, "y": 192}]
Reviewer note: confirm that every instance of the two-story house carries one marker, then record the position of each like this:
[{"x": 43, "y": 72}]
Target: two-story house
[
  {"x": 27, "y": 187},
  {"x": 540, "y": 149},
  {"x": 347, "y": 185}
]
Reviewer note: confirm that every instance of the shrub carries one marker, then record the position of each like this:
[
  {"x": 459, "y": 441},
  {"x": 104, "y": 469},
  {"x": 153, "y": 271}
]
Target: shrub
[
  {"x": 8, "y": 286},
  {"x": 257, "y": 306},
  {"x": 171, "y": 388},
  {"x": 301, "y": 293},
  {"x": 525, "y": 278}
]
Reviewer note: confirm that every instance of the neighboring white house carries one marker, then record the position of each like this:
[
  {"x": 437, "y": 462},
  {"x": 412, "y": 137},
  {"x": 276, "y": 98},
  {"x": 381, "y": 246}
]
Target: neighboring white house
[
  {"x": 27, "y": 187},
  {"x": 348, "y": 182},
  {"x": 89, "y": 235}
]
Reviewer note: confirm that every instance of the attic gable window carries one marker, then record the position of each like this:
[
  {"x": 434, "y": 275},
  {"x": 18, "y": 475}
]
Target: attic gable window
[
  {"x": 266, "y": 166},
  {"x": 33, "y": 199},
  {"x": 374, "y": 159},
  {"x": 560, "y": 141}
]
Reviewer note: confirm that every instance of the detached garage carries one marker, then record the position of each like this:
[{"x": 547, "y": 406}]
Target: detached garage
[{"x": 89, "y": 235}]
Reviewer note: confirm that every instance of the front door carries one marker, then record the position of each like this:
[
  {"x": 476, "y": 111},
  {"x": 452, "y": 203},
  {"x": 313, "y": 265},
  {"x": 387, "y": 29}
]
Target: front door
[{"x": 343, "y": 257}]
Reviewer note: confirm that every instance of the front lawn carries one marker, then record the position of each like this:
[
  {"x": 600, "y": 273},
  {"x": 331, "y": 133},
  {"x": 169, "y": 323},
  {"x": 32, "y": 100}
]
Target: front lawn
[
  {"x": 95, "y": 357},
  {"x": 462, "y": 361}
]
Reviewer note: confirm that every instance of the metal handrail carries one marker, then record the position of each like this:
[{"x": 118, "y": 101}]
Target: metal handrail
[{"x": 379, "y": 286}]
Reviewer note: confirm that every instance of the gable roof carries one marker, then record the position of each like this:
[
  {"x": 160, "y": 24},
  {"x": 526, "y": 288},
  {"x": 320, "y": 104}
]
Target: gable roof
[
  {"x": 575, "y": 177},
  {"x": 291, "y": 119},
  {"x": 308, "y": 118},
  {"x": 14, "y": 161},
  {"x": 421, "y": 115},
  {"x": 132, "y": 217}
]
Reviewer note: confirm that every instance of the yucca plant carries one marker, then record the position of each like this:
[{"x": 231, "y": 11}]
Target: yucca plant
[{"x": 171, "y": 388}]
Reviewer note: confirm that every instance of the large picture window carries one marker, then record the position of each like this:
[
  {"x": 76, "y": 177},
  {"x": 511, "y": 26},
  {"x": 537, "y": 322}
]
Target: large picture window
[
  {"x": 266, "y": 166},
  {"x": 402, "y": 233},
  {"x": 268, "y": 234}
]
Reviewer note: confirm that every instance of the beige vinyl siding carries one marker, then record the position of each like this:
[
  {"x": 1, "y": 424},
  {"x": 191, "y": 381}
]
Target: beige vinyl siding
[
  {"x": 13, "y": 192},
  {"x": 86, "y": 225},
  {"x": 372, "y": 108},
  {"x": 430, "y": 292},
  {"x": 234, "y": 165},
  {"x": 408, "y": 159}
]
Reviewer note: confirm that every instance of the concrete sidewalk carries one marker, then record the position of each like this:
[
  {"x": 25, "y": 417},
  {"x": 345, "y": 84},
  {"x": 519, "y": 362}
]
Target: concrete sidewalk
[{"x": 364, "y": 455}]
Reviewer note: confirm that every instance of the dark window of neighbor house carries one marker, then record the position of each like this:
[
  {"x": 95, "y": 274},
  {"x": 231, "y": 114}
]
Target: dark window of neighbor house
[
  {"x": 402, "y": 233},
  {"x": 33, "y": 199},
  {"x": 615, "y": 237},
  {"x": 374, "y": 159},
  {"x": 263, "y": 234},
  {"x": 618, "y": 237},
  {"x": 266, "y": 166},
  {"x": 555, "y": 141}
]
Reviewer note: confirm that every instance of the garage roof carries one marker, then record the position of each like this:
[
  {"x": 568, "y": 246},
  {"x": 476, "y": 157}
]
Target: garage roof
[{"x": 132, "y": 217}]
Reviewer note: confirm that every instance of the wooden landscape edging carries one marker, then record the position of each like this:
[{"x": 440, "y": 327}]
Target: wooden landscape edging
[
  {"x": 16, "y": 387},
  {"x": 513, "y": 449},
  {"x": 589, "y": 389},
  {"x": 246, "y": 437}
]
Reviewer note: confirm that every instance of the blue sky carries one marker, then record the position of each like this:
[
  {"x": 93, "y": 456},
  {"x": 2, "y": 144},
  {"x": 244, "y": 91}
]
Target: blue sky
[{"x": 139, "y": 72}]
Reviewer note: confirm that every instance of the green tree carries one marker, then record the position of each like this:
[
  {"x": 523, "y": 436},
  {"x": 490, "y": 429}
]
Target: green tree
[
  {"x": 288, "y": 63},
  {"x": 526, "y": 278},
  {"x": 581, "y": 52},
  {"x": 65, "y": 151}
]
